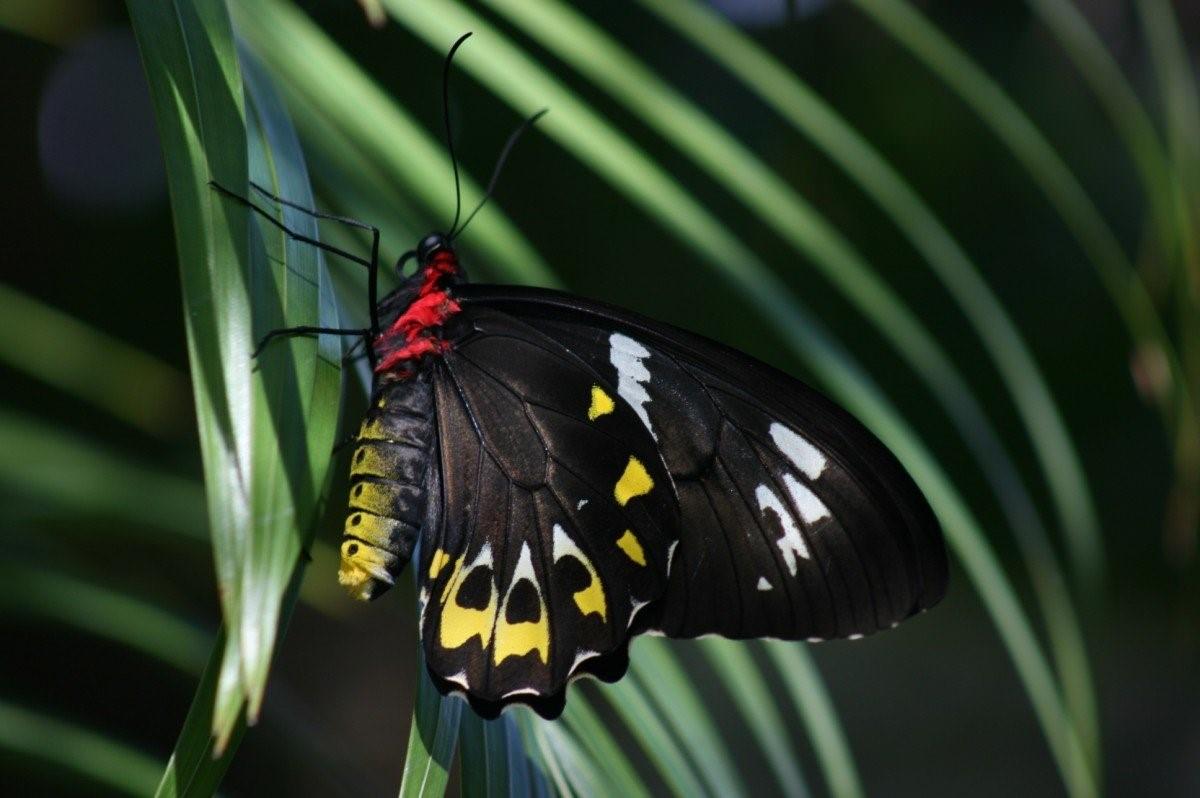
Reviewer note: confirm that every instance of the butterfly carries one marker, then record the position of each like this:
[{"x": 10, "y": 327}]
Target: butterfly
[{"x": 565, "y": 475}]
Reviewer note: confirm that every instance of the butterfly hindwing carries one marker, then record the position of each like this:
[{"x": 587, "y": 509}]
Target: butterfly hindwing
[
  {"x": 555, "y": 522},
  {"x": 795, "y": 521}
]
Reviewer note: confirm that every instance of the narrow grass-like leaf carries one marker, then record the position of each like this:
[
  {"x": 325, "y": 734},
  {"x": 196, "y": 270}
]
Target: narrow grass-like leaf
[
  {"x": 732, "y": 660},
  {"x": 91, "y": 365},
  {"x": 629, "y": 700},
  {"x": 432, "y": 739},
  {"x": 196, "y": 89},
  {"x": 297, "y": 399},
  {"x": 679, "y": 703},
  {"x": 88, "y": 754},
  {"x": 265, "y": 434},
  {"x": 63, "y": 598},
  {"x": 594, "y": 736},
  {"x": 803, "y": 682},
  {"x": 56, "y": 472},
  {"x": 1116, "y": 96},
  {"x": 784, "y": 92},
  {"x": 1177, "y": 87},
  {"x": 966, "y": 539},
  {"x": 567, "y": 766},
  {"x": 809, "y": 114},
  {"x": 196, "y": 767},
  {"x": 1046, "y": 168},
  {"x": 483, "y": 751}
]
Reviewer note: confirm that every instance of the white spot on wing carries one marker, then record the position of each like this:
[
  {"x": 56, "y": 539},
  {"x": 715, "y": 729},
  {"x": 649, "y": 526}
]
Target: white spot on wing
[
  {"x": 627, "y": 355},
  {"x": 855, "y": 637},
  {"x": 521, "y": 691},
  {"x": 811, "y": 508},
  {"x": 581, "y": 503},
  {"x": 791, "y": 544},
  {"x": 582, "y": 655},
  {"x": 804, "y": 455},
  {"x": 637, "y": 606},
  {"x": 763, "y": 584},
  {"x": 671, "y": 556},
  {"x": 460, "y": 678}
]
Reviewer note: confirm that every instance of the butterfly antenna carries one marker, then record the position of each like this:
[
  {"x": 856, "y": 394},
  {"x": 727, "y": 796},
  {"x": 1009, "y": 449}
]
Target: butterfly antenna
[
  {"x": 504, "y": 153},
  {"x": 446, "y": 118}
]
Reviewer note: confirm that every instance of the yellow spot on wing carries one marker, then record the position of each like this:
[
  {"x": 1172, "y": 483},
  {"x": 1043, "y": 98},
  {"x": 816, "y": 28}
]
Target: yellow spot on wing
[
  {"x": 460, "y": 624},
  {"x": 515, "y": 639},
  {"x": 591, "y": 598},
  {"x": 602, "y": 403},
  {"x": 632, "y": 547},
  {"x": 440, "y": 558},
  {"x": 634, "y": 482}
]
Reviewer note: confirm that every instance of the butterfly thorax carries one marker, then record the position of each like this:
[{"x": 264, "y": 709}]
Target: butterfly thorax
[{"x": 415, "y": 330}]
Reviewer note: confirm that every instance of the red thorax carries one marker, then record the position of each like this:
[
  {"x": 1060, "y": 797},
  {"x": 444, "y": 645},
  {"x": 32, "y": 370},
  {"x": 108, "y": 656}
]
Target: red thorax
[{"x": 414, "y": 333}]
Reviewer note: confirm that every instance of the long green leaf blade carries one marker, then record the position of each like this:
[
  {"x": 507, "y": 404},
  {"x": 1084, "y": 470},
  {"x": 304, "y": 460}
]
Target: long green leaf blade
[
  {"x": 71, "y": 356},
  {"x": 89, "y": 754},
  {"x": 188, "y": 55},
  {"x": 803, "y": 682},
  {"x": 732, "y": 660},
  {"x": 432, "y": 739}
]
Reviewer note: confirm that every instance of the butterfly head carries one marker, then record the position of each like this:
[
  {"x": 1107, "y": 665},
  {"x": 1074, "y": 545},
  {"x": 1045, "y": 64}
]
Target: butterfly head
[{"x": 430, "y": 245}]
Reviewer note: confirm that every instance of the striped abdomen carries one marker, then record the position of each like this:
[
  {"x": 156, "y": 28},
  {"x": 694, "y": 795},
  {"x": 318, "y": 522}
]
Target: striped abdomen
[{"x": 389, "y": 472}]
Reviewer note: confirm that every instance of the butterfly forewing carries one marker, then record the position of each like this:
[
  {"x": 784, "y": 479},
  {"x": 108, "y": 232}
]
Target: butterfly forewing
[
  {"x": 795, "y": 521},
  {"x": 556, "y": 521}
]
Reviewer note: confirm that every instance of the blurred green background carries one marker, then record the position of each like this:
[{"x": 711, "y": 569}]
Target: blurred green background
[{"x": 106, "y": 575}]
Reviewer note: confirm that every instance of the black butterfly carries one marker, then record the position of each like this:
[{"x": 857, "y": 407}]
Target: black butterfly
[{"x": 571, "y": 474}]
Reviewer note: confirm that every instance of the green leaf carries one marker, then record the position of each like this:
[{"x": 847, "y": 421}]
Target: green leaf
[
  {"x": 57, "y": 472},
  {"x": 689, "y": 717},
  {"x": 84, "y": 362},
  {"x": 99, "y": 610},
  {"x": 297, "y": 399},
  {"x": 1068, "y": 197},
  {"x": 188, "y": 55},
  {"x": 432, "y": 739},
  {"x": 266, "y": 432},
  {"x": 803, "y": 682},
  {"x": 492, "y": 756},
  {"x": 750, "y": 693},
  {"x": 81, "y": 751},
  {"x": 629, "y": 700},
  {"x": 784, "y": 92},
  {"x": 586, "y": 727},
  {"x": 197, "y": 765}
]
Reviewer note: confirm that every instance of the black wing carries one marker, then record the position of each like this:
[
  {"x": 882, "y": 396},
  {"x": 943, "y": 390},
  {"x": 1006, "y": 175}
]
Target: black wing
[
  {"x": 796, "y": 521},
  {"x": 555, "y": 525}
]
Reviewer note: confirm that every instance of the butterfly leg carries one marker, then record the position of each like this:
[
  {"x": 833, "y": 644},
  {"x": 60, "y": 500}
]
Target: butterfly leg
[
  {"x": 372, "y": 265},
  {"x": 289, "y": 332},
  {"x": 289, "y": 232}
]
